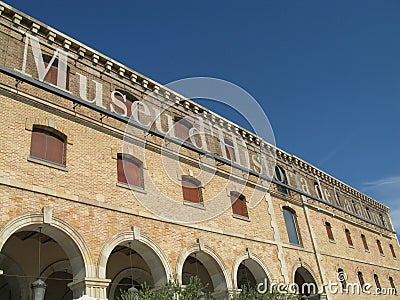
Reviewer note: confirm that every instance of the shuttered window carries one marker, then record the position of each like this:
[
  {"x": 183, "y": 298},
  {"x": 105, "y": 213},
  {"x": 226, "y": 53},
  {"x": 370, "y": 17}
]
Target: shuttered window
[
  {"x": 130, "y": 170},
  {"x": 348, "y": 237},
  {"x": 329, "y": 231},
  {"x": 52, "y": 74},
  {"x": 191, "y": 189},
  {"x": 182, "y": 129},
  {"x": 239, "y": 206},
  {"x": 378, "y": 243},
  {"x": 377, "y": 283},
  {"x": 364, "y": 240},
  {"x": 130, "y": 99},
  {"x": 318, "y": 190},
  {"x": 230, "y": 150},
  {"x": 392, "y": 250},
  {"x": 48, "y": 144}
]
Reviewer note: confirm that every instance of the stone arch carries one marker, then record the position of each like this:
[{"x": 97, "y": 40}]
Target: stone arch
[
  {"x": 17, "y": 282},
  {"x": 64, "y": 234},
  {"x": 254, "y": 264},
  {"x": 306, "y": 272},
  {"x": 156, "y": 259},
  {"x": 138, "y": 275},
  {"x": 219, "y": 274},
  {"x": 58, "y": 266}
]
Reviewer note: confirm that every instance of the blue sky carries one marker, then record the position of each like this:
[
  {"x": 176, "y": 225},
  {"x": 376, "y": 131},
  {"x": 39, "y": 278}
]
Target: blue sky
[{"x": 327, "y": 73}]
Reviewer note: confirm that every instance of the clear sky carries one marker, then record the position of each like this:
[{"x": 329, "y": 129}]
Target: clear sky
[{"x": 327, "y": 73}]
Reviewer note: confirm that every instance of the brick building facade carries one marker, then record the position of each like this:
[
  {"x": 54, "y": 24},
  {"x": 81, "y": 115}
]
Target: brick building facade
[{"x": 77, "y": 182}]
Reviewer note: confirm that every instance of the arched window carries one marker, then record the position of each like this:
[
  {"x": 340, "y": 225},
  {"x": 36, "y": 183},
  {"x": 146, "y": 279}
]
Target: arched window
[
  {"x": 378, "y": 243},
  {"x": 318, "y": 189},
  {"x": 52, "y": 74},
  {"x": 191, "y": 188},
  {"x": 230, "y": 150},
  {"x": 348, "y": 237},
  {"x": 364, "y": 241},
  {"x": 280, "y": 176},
  {"x": 391, "y": 281},
  {"x": 130, "y": 170},
  {"x": 361, "y": 279},
  {"x": 48, "y": 144},
  {"x": 392, "y": 250},
  {"x": 130, "y": 99},
  {"x": 377, "y": 283},
  {"x": 329, "y": 231},
  {"x": 342, "y": 278},
  {"x": 291, "y": 226},
  {"x": 239, "y": 206},
  {"x": 182, "y": 129}
]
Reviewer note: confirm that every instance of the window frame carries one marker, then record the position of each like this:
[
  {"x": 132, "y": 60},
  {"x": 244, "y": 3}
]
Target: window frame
[
  {"x": 239, "y": 197},
  {"x": 329, "y": 231},
  {"x": 38, "y": 132},
  {"x": 364, "y": 241},
  {"x": 282, "y": 189},
  {"x": 121, "y": 158},
  {"x": 197, "y": 183},
  {"x": 180, "y": 122},
  {"x": 392, "y": 251},
  {"x": 53, "y": 71},
  {"x": 293, "y": 217},
  {"x": 348, "y": 238},
  {"x": 380, "y": 249}
]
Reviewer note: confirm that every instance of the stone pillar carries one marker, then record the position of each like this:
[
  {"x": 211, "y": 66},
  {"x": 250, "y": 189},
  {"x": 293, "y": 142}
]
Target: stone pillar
[{"x": 93, "y": 287}]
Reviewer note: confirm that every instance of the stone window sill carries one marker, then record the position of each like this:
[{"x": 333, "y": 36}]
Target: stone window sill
[
  {"x": 193, "y": 204},
  {"x": 47, "y": 163},
  {"x": 131, "y": 187},
  {"x": 240, "y": 217}
]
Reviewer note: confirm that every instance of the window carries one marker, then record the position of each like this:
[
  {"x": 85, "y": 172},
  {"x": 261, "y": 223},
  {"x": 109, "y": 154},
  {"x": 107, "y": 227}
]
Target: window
[
  {"x": 318, "y": 190},
  {"x": 329, "y": 231},
  {"x": 368, "y": 213},
  {"x": 377, "y": 283},
  {"x": 130, "y": 170},
  {"x": 129, "y": 101},
  {"x": 355, "y": 207},
  {"x": 52, "y": 74},
  {"x": 182, "y": 129},
  {"x": 280, "y": 175},
  {"x": 392, "y": 250},
  {"x": 392, "y": 284},
  {"x": 191, "y": 188},
  {"x": 230, "y": 150},
  {"x": 348, "y": 237},
  {"x": 48, "y": 144},
  {"x": 364, "y": 240},
  {"x": 378, "y": 243},
  {"x": 342, "y": 277},
  {"x": 382, "y": 220},
  {"x": 239, "y": 206},
  {"x": 361, "y": 280},
  {"x": 291, "y": 226}
]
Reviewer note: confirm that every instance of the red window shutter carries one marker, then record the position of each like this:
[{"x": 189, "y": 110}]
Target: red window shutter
[
  {"x": 348, "y": 237},
  {"x": 364, "y": 240},
  {"x": 191, "y": 191},
  {"x": 239, "y": 205},
  {"x": 55, "y": 149},
  {"x": 329, "y": 231},
  {"x": 129, "y": 171},
  {"x": 52, "y": 74},
  {"x": 38, "y": 144},
  {"x": 230, "y": 152},
  {"x": 182, "y": 128},
  {"x": 378, "y": 242},
  {"x": 392, "y": 250}
]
